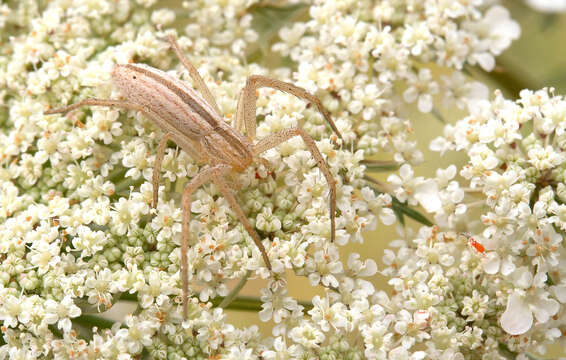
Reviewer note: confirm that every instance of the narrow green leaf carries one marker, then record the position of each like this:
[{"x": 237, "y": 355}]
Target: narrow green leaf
[
  {"x": 401, "y": 210},
  {"x": 409, "y": 212},
  {"x": 399, "y": 215},
  {"x": 380, "y": 166}
]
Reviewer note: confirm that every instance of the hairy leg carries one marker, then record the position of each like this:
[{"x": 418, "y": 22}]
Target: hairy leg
[
  {"x": 229, "y": 196},
  {"x": 239, "y": 119},
  {"x": 275, "y": 139},
  {"x": 249, "y": 97},
  {"x": 201, "y": 178},
  {"x": 157, "y": 166},
  {"x": 193, "y": 73},
  {"x": 96, "y": 102}
]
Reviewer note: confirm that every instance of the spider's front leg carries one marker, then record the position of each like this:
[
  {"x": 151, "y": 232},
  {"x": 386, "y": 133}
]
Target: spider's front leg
[
  {"x": 246, "y": 117},
  {"x": 193, "y": 73},
  {"x": 200, "y": 179},
  {"x": 216, "y": 174},
  {"x": 246, "y": 108}
]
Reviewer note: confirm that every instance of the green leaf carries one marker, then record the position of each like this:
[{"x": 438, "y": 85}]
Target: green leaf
[
  {"x": 55, "y": 331},
  {"x": 399, "y": 215},
  {"x": 129, "y": 297},
  {"x": 404, "y": 209},
  {"x": 268, "y": 19}
]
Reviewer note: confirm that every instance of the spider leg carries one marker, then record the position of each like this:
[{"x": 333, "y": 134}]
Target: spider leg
[
  {"x": 157, "y": 166},
  {"x": 96, "y": 102},
  {"x": 215, "y": 174},
  {"x": 249, "y": 97},
  {"x": 193, "y": 73},
  {"x": 201, "y": 178},
  {"x": 273, "y": 140},
  {"x": 191, "y": 147},
  {"x": 239, "y": 119},
  {"x": 229, "y": 196}
]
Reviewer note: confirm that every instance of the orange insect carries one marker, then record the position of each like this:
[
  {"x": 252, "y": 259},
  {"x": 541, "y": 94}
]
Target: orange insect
[{"x": 476, "y": 245}]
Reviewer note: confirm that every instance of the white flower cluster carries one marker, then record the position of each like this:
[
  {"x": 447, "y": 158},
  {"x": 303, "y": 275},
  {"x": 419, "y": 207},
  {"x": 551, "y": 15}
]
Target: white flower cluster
[
  {"x": 366, "y": 52},
  {"x": 77, "y": 233},
  {"x": 514, "y": 183}
]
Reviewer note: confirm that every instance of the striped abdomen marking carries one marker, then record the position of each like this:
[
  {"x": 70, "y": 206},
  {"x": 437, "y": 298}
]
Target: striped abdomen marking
[{"x": 183, "y": 106}]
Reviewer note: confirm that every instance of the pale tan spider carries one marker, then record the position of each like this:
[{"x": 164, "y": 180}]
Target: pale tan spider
[{"x": 194, "y": 122}]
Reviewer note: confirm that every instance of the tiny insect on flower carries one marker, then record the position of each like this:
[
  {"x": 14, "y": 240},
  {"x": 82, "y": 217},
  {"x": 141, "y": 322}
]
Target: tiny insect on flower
[
  {"x": 476, "y": 245},
  {"x": 193, "y": 120}
]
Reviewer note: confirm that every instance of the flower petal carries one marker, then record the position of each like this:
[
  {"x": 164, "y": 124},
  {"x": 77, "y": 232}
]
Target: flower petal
[{"x": 517, "y": 318}]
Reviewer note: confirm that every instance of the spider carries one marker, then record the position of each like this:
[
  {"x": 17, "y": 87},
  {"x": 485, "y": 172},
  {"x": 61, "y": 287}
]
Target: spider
[{"x": 194, "y": 122}]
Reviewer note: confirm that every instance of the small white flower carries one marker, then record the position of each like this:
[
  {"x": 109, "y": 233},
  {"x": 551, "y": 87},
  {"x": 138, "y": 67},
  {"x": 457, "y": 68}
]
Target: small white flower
[
  {"x": 417, "y": 38},
  {"x": 45, "y": 255},
  {"x": 421, "y": 88},
  {"x": 324, "y": 267},
  {"x": 138, "y": 334},
  {"x": 323, "y": 314},
  {"x": 281, "y": 351},
  {"x": 163, "y": 17},
  {"x": 307, "y": 335},
  {"x": 495, "y": 32},
  {"x": 267, "y": 222},
  {"x": 89, "y": 242},
  {"x": 61, "y": 312},
  {"x": 276, "y": 305}
]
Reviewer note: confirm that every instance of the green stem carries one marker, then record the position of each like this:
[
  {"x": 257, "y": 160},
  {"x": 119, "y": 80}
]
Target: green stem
[
  {"x": 232, "y": 295},
  {"x": 380, "y": 165},
  {"x": 249, "y": 303}
]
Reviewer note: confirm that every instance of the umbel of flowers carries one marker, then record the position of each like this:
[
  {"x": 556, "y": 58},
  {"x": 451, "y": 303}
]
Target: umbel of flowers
[{"x": 77, "y": 234}]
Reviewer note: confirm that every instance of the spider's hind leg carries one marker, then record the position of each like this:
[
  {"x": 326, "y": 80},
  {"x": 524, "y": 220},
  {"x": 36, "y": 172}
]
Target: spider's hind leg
[{"x": 273, "y": 140}]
